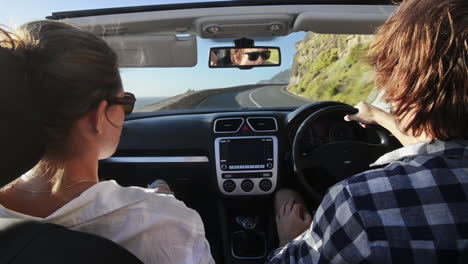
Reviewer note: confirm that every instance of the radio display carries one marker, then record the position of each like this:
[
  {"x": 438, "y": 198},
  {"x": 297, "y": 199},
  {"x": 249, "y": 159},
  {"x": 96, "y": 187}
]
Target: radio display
[{"x": 246, "y": 152}]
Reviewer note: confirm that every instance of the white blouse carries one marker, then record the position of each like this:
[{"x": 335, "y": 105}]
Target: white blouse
[{"x": 155, "y": 227}]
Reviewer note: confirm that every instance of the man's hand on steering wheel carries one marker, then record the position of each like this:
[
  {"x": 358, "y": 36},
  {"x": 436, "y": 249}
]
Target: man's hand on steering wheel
[{"x": 367, "y": 115}]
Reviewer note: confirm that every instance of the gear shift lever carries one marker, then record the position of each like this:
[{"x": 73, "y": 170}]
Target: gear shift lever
[
  {"x": 248, "y": 223},
  {"x": 249, "y": 242}
]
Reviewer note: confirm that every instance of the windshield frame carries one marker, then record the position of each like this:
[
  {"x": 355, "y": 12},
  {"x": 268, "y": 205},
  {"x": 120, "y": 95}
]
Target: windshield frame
[{"x": 167, "y": 7}]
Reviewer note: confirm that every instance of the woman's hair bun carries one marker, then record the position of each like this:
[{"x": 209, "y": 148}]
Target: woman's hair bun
[{"x": 22, "y": 136}]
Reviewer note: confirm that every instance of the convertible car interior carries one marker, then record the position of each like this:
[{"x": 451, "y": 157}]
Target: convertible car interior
[{"x": 226, "y": 160}]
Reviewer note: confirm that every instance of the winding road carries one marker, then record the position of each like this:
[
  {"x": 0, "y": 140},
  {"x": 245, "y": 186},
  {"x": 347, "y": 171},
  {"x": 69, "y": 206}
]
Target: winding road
[{"x": 261, "y": 97}]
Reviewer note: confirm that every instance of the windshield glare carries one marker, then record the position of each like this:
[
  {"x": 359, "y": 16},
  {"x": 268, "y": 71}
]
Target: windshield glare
[{"x": 314, "y": 67}]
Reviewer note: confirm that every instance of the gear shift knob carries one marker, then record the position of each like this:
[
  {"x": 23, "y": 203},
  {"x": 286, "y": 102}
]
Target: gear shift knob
[{"x": 248, "y": 223}]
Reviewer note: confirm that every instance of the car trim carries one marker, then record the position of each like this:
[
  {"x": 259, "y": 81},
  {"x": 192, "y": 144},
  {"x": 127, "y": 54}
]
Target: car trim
[
  {"x": 178, "y": 159},
  {"x": 167, "y": 7},
  {"x": 240, "y": 111},
  {"x": 262, "y": 131},
  {"x": 229, "y": 132}
]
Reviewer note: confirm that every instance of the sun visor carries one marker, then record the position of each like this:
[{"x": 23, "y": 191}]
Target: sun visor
[
  {"x": 138, "y": 51},
  {"x": 359, "y": 21}
]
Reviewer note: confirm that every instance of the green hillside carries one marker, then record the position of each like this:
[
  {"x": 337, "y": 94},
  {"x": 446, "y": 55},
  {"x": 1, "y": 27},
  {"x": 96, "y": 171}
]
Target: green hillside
[{"x": 332, "y": 67}]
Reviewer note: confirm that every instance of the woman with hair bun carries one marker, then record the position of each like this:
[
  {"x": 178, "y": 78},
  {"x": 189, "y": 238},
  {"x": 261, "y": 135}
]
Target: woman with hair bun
[{"x": 71, "y": 81}]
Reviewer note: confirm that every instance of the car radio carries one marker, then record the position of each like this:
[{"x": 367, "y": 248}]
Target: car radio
[
  {"x": 246, "y": 154},
  {"x": 246, "y": 165}
]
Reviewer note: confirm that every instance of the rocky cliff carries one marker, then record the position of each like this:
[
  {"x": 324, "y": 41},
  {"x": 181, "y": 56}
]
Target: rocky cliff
[{"x": 332, "y": 67}]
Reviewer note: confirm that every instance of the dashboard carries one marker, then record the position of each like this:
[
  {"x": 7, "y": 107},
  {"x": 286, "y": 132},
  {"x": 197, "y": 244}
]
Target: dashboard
[
  {"x": 242, "y": 153},
  {"x": 225, "y": 165},
  {"x": 240, "y": 150}
]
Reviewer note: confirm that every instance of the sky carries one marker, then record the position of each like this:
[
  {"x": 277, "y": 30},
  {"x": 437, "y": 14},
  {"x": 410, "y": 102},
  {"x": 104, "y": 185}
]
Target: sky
[
  {"x": 155, "y": 82},
  {"x": 17, "y": 12}
]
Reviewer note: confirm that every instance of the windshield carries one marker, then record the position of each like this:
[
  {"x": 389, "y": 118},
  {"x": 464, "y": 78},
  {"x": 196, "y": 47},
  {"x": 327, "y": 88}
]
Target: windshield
[{"x": 315, "y": 67}]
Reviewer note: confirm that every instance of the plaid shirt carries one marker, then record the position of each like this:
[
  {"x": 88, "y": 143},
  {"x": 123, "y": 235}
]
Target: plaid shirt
[{"x": 415, "y": 210}]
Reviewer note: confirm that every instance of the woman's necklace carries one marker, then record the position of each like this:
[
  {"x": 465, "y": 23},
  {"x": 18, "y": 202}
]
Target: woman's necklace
[{"x": 66, "y": 187}]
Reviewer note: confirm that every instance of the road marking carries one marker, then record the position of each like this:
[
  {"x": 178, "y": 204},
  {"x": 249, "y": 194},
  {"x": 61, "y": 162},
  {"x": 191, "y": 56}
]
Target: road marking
[
  {"x": 302, "y": 98},
  {"x": 253, "y": 101},
  {"x": 284, "y": 91},
  {"x": 202, "y": 102}
]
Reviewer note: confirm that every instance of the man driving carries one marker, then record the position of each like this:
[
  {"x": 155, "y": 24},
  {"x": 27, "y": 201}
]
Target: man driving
[
  {"x": 250, "y": 56},
  {"x": 412, "y": 207}
]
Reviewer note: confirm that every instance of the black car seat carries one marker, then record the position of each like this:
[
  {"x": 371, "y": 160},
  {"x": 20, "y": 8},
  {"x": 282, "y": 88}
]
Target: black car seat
[
  {"x": 22, "y": 144},
  {"x": 24, "y": 242}
]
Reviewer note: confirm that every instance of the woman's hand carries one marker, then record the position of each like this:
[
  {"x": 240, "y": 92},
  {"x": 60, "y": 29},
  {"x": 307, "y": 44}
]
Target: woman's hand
[
  {"x": 291, "y": 221},
  {"x": 367, "y": 115},
  {"x": 160, "y": 186}
]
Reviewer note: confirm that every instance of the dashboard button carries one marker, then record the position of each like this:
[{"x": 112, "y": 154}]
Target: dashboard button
[
  {"x": 269, "y": 165},
  {"x": 265, "y": 185},
  {"x": 224, "y": 166},
  {"x": 226, "y": 175},
  {"x": 229, "y": 186},
  {"x": 247, "y": 185}
]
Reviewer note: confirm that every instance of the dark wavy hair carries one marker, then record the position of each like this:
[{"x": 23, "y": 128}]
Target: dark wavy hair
[
  {"x": 420, "y": 56},
  {"x": 69, "y": 72}
]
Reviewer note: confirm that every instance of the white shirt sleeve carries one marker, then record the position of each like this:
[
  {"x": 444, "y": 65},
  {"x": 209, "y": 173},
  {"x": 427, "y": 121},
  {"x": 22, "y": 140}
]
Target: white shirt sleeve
[
  {"x": 179, "y": 238},
  {"x": 155, "y": 227},
  {"x": 158, "y": 229}
]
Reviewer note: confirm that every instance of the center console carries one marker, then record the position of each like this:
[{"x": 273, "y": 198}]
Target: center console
[
  {"x": 246, "y": 165},
  {"x": 249, "y": 232},
  {"x": 246, "y": 162}
]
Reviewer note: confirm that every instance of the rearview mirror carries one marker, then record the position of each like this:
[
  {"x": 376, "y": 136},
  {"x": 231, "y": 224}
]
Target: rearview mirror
[{"x": 244, "y": 58}]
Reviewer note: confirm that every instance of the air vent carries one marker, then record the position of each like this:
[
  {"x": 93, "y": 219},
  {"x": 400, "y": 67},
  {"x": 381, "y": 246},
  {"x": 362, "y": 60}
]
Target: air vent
[
  {"x": 262, "y": 124},
  {"x": 228, "y": 125}
]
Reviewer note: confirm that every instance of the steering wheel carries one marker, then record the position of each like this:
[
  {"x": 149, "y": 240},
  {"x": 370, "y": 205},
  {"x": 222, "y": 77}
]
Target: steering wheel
[{"x": 339, "y": 159}]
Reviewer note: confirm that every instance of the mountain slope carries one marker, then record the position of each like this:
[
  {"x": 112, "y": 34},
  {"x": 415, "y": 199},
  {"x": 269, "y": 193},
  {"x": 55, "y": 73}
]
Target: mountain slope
[
  {"x": 332, "y": 67},
  {"x": 281, "y": 77}
]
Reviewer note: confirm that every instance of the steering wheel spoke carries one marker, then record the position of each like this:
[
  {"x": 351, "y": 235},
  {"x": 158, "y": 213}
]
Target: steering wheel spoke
[{"x": 310, "y": 160}]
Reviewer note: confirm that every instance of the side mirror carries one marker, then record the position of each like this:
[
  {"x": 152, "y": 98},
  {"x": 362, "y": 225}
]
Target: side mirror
[{"x": 244, "y": 58}]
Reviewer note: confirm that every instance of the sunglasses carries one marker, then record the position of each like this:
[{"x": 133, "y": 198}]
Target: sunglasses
[
  {"x": 127, "y": 101},
  {"x": 253, "y": 56}
]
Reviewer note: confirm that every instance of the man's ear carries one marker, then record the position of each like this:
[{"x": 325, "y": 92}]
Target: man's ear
[{"x": 98, "y": 117}]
